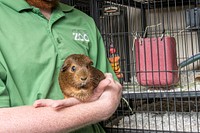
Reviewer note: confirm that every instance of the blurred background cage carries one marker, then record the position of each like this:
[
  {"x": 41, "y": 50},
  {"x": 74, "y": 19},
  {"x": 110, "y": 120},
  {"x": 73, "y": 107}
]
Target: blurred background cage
[{"x": 154, "y": 48}]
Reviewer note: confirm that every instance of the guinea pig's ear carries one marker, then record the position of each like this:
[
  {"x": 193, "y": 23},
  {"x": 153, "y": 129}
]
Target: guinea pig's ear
[
  {"x": 89, "y": 61},
  {"x": 64, "y": 67}
]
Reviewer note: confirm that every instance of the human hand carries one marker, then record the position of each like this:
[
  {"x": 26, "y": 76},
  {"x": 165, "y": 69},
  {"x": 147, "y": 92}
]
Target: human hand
[{"x": 58, "y": 104}]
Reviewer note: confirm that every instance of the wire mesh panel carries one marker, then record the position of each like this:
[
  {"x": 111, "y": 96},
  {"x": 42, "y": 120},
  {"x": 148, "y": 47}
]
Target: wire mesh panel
[{"x": 153, "y": 47}]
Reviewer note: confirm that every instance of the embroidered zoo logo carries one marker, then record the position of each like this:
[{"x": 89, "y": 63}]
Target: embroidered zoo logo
[{"x": 80, "y": 36}]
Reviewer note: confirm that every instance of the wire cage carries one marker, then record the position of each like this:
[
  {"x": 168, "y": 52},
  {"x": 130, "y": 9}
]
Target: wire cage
[{"x": 154, "y": 48}]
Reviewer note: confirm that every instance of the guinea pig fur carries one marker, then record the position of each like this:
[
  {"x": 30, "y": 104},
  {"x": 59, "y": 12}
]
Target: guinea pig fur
[{"x": 78, "y": 78}]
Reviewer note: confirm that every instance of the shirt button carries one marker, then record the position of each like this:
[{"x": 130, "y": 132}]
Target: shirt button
[{"x": 58, "y": 40}]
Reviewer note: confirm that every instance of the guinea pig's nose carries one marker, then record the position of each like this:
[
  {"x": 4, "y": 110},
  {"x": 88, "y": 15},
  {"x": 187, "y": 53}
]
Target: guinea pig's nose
[{"x": 83, "y": 78}]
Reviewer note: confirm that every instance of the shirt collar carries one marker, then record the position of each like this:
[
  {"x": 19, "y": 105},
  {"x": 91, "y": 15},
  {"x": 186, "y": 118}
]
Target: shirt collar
[
  {"x": 21, "y": 5},
  {"x": 65, "y": 8}
]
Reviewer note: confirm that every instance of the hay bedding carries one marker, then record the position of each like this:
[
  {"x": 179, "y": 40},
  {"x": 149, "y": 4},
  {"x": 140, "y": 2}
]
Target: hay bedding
[
  {"x": 187, "y": 122},
  {"x": 183, "y": 116}
]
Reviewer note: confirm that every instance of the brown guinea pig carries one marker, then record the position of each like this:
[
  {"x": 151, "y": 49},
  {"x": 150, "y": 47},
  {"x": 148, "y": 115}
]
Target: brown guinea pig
[{"x": 78, "y": 78}]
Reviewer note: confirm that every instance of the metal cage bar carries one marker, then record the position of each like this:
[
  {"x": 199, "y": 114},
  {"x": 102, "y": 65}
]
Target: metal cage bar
[
  {"x": 156, "y": 46},
  {"x": 157, "y": 107}
]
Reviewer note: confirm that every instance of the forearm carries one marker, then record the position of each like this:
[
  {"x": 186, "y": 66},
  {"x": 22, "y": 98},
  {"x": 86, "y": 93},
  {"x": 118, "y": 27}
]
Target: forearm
[
  {"x": 73, "y": 114},
  {"x": 46, "y": 119}
]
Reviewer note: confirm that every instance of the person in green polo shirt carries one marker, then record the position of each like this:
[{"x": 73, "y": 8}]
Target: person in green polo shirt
[{"x": 35, "y": 38}]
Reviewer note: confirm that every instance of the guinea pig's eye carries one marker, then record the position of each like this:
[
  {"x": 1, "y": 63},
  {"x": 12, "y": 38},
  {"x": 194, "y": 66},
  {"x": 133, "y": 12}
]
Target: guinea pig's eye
[{"x": 73, "y": 68}]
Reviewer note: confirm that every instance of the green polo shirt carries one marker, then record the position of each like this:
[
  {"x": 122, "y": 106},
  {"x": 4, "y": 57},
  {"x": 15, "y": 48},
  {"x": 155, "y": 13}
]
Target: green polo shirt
[{"x": 32, "y": 51}]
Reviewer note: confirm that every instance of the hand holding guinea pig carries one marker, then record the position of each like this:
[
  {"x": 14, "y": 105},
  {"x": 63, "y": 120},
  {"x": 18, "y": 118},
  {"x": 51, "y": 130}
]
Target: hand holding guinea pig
[{"x": 107, "y": 95}]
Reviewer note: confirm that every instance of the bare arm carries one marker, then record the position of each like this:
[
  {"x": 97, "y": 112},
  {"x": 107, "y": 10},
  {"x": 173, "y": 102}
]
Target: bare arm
[
  {"x": 30, "y": 119},
  {"x": 47, "y": 119}
]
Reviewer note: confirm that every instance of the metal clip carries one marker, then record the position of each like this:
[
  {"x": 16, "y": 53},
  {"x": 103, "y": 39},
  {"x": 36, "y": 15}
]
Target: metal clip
[{"x": 163, "y": 34}]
